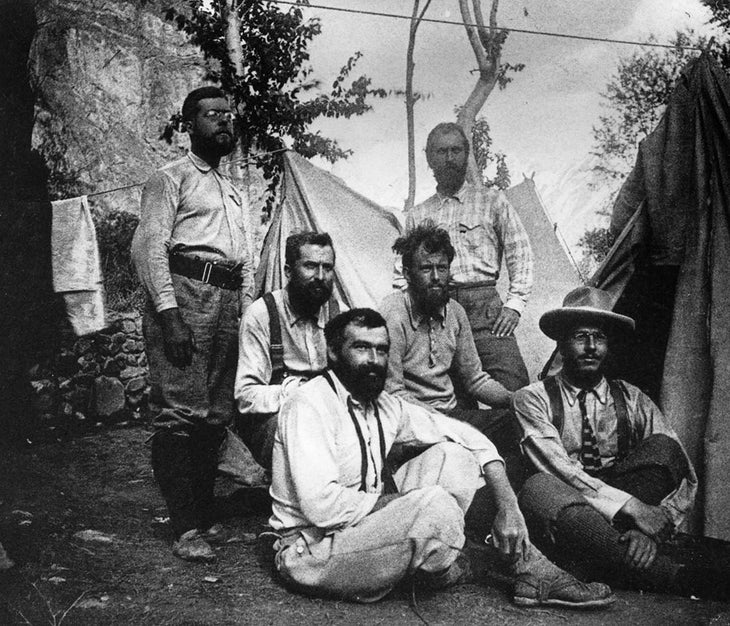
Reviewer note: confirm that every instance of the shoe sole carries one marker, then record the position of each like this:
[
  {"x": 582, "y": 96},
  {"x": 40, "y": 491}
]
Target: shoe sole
[{"x": 588, "y": 604}]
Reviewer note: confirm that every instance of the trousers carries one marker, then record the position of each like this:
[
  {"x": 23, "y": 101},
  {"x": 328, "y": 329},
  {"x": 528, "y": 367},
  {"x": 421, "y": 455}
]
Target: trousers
[
  {"x": 572, "y": 533},
  {"x": 192, "y": 406},
  {"x": 500, "y": 356},
  {"x": 421, "y": 529}
]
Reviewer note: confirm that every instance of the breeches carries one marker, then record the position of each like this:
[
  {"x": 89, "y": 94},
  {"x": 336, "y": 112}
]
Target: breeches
[
  {"x": 500, "y": 356},
  {"x": 421, "y": 529},
  {"x": 201, "y": 393}
]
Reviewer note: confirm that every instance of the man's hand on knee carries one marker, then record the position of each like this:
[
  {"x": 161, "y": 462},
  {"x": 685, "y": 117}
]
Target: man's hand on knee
[
  {"x": 653, "y": 521},
  {"x": 640, "y": 549},
  {"x": 177, "y": 337}
]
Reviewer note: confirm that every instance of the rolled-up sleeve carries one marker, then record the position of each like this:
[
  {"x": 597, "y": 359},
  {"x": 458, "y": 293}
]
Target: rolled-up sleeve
[{"x": 517, "y": 252}]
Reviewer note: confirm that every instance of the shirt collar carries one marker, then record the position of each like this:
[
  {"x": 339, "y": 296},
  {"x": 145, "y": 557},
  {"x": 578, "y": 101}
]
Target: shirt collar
[
  {"x": 202, "y": 165},
  {"x": 416, "y": 318},
  {"x": 295, "y": 317},
  {"x": 460, "y": 195},
  {"x": 600, "y": 391}
]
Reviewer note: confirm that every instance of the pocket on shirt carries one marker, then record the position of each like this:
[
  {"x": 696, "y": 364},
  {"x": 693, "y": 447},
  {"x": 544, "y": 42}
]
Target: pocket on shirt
[{"x": 472, "y": 236}]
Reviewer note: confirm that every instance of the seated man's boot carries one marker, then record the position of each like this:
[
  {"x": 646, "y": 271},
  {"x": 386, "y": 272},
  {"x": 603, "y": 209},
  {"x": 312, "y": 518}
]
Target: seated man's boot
[{"x": 538, "y": 582}]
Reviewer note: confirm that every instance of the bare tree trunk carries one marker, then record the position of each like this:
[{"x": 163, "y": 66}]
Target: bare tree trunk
[
  {"x": 411, "y": 101},
  {"x": 487, "y": 46},
  {"x": 234, "y": 50}
]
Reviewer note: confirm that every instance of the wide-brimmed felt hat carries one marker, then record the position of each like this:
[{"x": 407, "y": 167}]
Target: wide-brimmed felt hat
[{"x": 585, "y": 305}]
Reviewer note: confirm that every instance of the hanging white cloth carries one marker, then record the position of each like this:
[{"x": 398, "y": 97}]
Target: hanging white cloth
[{"x": 76, "y": 265}]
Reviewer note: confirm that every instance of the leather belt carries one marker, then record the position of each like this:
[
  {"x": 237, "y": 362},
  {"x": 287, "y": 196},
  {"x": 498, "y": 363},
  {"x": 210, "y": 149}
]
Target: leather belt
[{"x": 214, "y": 273}]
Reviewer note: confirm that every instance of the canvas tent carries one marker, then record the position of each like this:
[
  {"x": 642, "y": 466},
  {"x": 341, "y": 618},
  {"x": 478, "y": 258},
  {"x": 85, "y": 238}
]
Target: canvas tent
[
  {"x": 555, "y": 274},
  {"x": 363, "y": 233},
  {"x": 669, "y": 268}
]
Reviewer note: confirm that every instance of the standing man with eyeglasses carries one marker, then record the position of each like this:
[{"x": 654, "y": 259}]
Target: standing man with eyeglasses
[{"x": 191, "y": 254}]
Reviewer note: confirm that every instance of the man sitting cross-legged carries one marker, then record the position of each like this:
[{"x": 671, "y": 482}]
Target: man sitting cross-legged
[
  {"x": 281, "y": 340},
  {"x": 613, "y": 481},
  {"x": 340, "y": 534},
  {"x": 431, "y": 341}
]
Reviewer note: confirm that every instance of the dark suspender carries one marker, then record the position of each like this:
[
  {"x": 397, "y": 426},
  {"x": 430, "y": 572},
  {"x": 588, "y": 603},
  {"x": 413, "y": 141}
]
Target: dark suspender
[
  {"x": 361, "y": 439},
  {"x": 618, "y": 393},
  {"x": 276, "y": 349}
]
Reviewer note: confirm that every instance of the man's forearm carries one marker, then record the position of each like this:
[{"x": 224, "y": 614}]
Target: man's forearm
[{"x": 498, "y": 485}]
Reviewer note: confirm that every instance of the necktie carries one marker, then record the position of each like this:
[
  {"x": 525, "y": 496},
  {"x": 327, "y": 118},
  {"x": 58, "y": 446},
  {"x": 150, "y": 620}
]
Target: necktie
[{"x": 590, "y": 456}]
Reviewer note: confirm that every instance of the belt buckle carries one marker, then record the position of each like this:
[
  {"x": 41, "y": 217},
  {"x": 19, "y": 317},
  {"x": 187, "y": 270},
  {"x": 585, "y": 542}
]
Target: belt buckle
[{"x": 207, "y": 269}]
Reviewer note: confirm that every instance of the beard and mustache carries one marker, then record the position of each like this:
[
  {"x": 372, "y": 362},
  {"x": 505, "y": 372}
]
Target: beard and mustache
[
  {"x": 365, "y": 382},
  {"x": 431, "y": 299},
  {"x": 310, "y": 296},
  {"x": 450, "y": 175}
]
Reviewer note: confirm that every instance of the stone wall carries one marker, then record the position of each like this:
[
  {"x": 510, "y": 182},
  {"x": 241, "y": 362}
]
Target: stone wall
[{"x": 98, "y": 378}]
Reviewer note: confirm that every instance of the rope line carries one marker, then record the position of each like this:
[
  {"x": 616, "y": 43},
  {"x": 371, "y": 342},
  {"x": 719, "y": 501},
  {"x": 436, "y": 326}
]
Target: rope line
[
  {"x": 132, "y": 185},
  {"x": 523, "y": 31}
]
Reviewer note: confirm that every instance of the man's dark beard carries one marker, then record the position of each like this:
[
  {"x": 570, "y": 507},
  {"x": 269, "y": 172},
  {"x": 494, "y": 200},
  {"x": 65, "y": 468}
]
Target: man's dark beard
[
  {"x": 432, "y": 302},
  {"x": 214, "y": 147},
  {"x": 357, "y": 380},
  {"x": 450, "y": 176},
  {"x": 309, "y": 297}
]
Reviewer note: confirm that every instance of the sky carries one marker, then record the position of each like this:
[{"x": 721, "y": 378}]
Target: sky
[{"x": 542, "y": 121}]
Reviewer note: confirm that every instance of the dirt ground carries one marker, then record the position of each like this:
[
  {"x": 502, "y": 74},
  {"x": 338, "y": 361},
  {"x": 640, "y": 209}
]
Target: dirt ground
[{"x": 126, "y": 574}]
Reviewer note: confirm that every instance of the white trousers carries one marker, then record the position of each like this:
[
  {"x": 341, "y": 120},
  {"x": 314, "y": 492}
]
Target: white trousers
[{"x": 422, "y": 529}]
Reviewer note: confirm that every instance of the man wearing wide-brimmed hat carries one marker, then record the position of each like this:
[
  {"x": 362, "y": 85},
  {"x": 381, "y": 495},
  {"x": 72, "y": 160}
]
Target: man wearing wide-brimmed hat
[{"x": 612, "y": 480}]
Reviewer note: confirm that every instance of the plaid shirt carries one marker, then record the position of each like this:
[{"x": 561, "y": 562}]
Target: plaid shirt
[{"x": 483, "y": 227}]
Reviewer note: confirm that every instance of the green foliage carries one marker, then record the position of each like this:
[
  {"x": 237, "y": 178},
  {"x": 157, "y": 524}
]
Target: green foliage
[
  {"x": 277, "y": 98},
  {"x": 488, "y": 161},
  {"x": 114, "y": 232}
]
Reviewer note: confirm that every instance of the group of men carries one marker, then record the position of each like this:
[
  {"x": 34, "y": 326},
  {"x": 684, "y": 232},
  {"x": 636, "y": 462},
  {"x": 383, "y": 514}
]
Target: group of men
[{"x": 382, "y": 460}]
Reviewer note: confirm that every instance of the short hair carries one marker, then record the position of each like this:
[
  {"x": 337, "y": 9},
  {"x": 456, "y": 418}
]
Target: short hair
[
  {"x": 433, "y": 239},
  {"x": 334, "y": 331},
  {"x": 295, "y": 242},
  {"x": 190, "y": 106},
  {"x": 445, "y": 128}
]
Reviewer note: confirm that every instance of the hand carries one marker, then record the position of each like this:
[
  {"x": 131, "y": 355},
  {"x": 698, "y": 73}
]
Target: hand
[
  {"x": 506, "y": 322},
  {"x": 289, "y": 384},
  {"x": 640, "y": 549},
  {"x": 177, "y": 338},
  {"x": 653, "y": 521},
  {"x": 509, "y": 532}
]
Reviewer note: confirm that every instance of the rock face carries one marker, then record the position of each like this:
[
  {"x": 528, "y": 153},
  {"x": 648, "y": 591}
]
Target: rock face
[{"x": 108, "y": 75}]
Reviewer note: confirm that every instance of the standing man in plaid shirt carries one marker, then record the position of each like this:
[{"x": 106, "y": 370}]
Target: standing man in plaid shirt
[{"x": 484, "y": 228}]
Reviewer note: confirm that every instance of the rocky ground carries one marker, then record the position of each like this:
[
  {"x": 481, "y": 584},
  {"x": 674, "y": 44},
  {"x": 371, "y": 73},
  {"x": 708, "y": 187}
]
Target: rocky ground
[{"x": 84, "y": 522}]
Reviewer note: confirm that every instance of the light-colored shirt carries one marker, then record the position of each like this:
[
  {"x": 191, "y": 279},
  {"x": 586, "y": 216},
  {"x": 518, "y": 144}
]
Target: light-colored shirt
[
  {"x": 305, "y": 350},
  {"x": 559, "y": 456},
  {"x": 317, "y": 458},
  {"x": 423, "y": 349},
  {"x": 189, "y": 206},
  {"x": 484, "y": 228}
]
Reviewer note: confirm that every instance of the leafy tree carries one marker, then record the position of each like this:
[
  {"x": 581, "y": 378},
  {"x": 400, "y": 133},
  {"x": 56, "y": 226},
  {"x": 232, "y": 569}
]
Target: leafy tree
[
  {"x": 485, "y": 157},
  {"x": 259, "y": 55}
]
